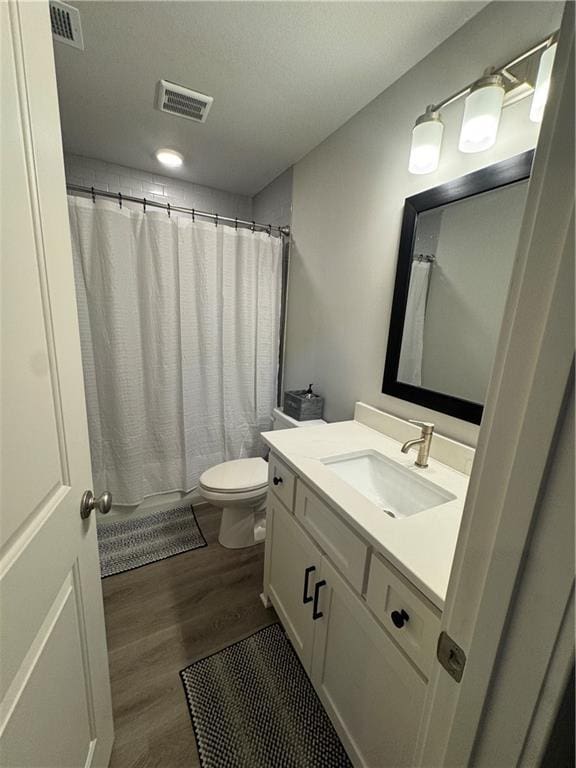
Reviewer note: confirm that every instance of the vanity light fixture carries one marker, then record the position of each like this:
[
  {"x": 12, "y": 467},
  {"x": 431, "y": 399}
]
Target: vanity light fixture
[
  {"x": 543, "y": 83},
  {"x": 426, "y": 142},
  {"x": 485, "y": 98},
  {"x": 169, "y": 158},
  {"x": 482, "y": 110}
]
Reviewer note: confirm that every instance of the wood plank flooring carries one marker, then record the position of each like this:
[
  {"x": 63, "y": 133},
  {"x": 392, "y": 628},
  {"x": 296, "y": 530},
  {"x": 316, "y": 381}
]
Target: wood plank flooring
[{"x": 159, "y": 619}]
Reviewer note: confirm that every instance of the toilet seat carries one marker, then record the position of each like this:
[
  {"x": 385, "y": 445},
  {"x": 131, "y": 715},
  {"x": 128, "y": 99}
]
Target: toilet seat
[
  {"x": 226, "y": 498},
  {"x": 242, "y": 477},
  {"x": 240, "y": 488}
]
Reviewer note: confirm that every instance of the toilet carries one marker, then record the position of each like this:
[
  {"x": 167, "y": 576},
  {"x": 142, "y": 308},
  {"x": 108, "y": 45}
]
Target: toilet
[{"x": 240, "y": 488}]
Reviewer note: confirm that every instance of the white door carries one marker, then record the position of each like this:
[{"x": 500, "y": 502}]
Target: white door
[
  {"x": 55, "y": 708},
  {"x": 293, "y": 572},
  {"x": 373, "y": 694}
]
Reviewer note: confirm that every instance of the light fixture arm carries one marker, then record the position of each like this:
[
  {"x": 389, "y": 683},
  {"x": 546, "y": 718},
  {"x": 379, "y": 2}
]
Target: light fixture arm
[
  {"x": 484, "y": 99},
  {"x": 547, "y": 41}
]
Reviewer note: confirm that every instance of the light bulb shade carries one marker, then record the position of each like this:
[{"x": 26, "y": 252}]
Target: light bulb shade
[
  {"x": 542, "y": 84},
  {"x": 482, "y": 115},
  {"x": 426, "y": 143}
]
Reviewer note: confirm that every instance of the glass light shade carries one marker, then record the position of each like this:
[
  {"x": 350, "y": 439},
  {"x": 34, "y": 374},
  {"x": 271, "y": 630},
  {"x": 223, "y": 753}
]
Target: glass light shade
[
  {"x": 169, "y": 157},
  {"x": 426, "y": 143},
  {"x": 482, "y": 115},
  {"x": 542, "y": 84}
]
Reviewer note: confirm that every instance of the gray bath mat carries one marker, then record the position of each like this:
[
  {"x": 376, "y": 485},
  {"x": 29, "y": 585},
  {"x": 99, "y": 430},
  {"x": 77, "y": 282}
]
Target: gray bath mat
[
  {"x": 130, "y": 544},
  {"x": 252, "y": 706}
]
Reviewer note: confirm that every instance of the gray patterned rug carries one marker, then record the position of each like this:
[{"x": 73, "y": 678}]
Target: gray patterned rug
[
  {"x": 252, "y": 706},
  {"x": 129, "y": 544}
]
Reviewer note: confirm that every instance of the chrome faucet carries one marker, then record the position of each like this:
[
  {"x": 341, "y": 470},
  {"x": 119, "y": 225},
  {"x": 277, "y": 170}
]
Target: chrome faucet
[{"x": 423, "y": 442}]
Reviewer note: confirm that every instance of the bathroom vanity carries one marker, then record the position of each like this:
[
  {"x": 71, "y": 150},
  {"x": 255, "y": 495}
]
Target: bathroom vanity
[{"x": 359, "y": 546}]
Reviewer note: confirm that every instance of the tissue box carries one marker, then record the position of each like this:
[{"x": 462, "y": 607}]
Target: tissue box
[{"x": 303, "y": 408}]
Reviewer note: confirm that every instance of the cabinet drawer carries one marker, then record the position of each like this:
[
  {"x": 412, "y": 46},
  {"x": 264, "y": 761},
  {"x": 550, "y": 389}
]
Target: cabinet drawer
[
  {"x": 281, "y": 481},
  {"x": 388, "y": 595},
  {"x": 347, "y": 552}
]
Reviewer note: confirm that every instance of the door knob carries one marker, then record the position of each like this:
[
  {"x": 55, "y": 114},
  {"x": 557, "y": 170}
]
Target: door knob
[{"x": 103, "y": 503}]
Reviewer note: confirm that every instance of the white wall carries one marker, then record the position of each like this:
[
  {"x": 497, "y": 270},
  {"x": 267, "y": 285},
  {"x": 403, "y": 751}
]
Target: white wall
[
  {"x": 90, "y": 172},
  {"x": 273, "y": 204},
  {"x": 348, "y": 198}
]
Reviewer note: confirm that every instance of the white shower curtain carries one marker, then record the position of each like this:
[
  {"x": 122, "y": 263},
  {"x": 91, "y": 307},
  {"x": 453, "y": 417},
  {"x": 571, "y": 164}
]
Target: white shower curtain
[
  {"x": 410, "y": 365},
  {"x": 179, "y": 327}
]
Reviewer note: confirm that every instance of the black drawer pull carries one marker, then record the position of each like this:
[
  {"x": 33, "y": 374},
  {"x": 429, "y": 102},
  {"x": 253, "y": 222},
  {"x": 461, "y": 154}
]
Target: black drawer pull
[
  {"x": 306, "y": 598},
  {"x": 399, "y": 618},
  {"x": 277, "y": 480},
  {"x": 316, "y": 614}
]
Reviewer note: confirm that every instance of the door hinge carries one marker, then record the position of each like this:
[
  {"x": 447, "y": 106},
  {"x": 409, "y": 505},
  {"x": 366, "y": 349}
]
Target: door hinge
[{"x": 451, "y": 656}]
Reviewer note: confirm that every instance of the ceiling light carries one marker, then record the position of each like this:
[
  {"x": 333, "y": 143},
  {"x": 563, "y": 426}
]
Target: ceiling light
[
  {"x": 482, "y": 114},
  {"x": 542, "y": 84},
  {"x": 170, "y": 158},
  {"x": 426, "y": 143}
]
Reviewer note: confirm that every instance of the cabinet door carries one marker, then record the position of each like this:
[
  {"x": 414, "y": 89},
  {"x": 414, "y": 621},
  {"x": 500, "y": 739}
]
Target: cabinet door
[
  {"x": 372, "y": 693},
  {"x": 294, "y": 563}
]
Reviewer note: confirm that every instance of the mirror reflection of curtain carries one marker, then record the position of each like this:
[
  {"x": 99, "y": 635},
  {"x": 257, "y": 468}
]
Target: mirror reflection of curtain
[{"x": 410, "y": 366}]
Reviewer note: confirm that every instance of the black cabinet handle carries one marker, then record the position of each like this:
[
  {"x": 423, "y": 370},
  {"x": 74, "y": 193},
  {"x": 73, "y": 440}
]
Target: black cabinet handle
[
  {"x": 316, "y": 614},
  {"x": 399, "y": 618},
  {"x": 277, "y": 480},
  {"x": 306, "y": 598}
]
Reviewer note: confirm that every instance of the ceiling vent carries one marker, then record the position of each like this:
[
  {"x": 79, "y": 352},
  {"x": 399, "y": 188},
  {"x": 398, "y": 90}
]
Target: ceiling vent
[
  {"x": 182, "y": 101},
  {"x": 66, "y": 25}
]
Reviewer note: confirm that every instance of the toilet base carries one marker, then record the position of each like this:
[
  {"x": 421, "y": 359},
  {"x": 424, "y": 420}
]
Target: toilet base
[{"x": 242, "y": 526}]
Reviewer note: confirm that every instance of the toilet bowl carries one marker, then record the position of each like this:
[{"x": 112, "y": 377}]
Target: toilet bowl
[{"x": 239, "y": 488}]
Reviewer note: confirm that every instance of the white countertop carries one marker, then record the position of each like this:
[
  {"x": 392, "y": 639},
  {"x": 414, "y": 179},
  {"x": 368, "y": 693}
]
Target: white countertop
[{"x": 420, "y": 546}]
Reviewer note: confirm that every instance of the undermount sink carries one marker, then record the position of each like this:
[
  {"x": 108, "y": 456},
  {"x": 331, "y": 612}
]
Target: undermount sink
[{"x": 400, "y": 492}]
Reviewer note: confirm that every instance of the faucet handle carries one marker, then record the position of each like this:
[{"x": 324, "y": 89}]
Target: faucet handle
[{"x": 427, "y": 426}]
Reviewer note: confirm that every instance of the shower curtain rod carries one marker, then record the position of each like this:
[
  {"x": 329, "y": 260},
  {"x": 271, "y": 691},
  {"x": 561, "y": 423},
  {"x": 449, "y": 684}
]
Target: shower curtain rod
[{"x": 144, "y": 202}]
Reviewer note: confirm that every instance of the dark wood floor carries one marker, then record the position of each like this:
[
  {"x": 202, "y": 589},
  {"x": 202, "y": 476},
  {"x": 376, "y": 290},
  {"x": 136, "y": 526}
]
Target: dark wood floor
[{"x": 159, "y": 619}]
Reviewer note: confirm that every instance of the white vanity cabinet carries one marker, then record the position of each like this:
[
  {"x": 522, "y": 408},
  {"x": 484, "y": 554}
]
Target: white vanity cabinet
[
  {"x": 292, "y": 563},
  {"x": 373, "y": 694},
  {"x": 317, "y": 573}
]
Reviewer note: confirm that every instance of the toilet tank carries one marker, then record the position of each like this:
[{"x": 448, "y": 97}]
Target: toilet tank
[{"x": 281, "y": 421}]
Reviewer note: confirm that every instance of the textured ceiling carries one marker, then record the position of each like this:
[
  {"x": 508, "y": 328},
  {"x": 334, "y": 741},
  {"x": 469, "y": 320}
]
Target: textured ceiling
[{"x": 283, "y": 76}]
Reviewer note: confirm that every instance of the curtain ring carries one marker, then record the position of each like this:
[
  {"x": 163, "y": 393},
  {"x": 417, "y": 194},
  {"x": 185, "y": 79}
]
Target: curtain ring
[
  {"x": 236, "y": 223},
  {"x": 168, "y": 208},
  {"x": 93, "y": 195},
  {"x": 120, "y": 199},
  {"x": 216, "y": 219},
  {"x": 269, "y": 230},
  {"x": 253, "y": 226},
  {"x": 144, "y": 205},
  {"x": 193, "y": 215}
]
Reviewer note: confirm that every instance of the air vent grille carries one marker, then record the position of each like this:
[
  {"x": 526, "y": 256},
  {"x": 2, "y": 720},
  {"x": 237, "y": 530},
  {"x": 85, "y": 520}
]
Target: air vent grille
[
  {"x": 66, "y": 25},
  {"x": 183, "y": 102}
]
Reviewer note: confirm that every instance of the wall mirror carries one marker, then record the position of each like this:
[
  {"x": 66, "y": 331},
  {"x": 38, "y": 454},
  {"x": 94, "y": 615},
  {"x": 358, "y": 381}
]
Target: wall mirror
[{"x": 457, "y": 249}]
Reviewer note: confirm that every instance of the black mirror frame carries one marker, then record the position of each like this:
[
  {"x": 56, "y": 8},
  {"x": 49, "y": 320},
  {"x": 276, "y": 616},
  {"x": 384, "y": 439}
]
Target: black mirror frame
[{"x": 501, "y": 174}]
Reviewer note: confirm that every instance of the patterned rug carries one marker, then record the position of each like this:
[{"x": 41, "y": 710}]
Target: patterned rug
[
  {"x": 252, "y": 706},
  {"x": 130, "y": 544}
]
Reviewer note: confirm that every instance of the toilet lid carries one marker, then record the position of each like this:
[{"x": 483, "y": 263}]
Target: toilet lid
[{"x": 238, "y": 475}]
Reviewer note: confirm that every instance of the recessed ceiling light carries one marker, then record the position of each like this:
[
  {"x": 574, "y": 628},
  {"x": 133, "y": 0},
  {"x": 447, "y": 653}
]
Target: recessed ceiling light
[{"x": 169, "y": 157}]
